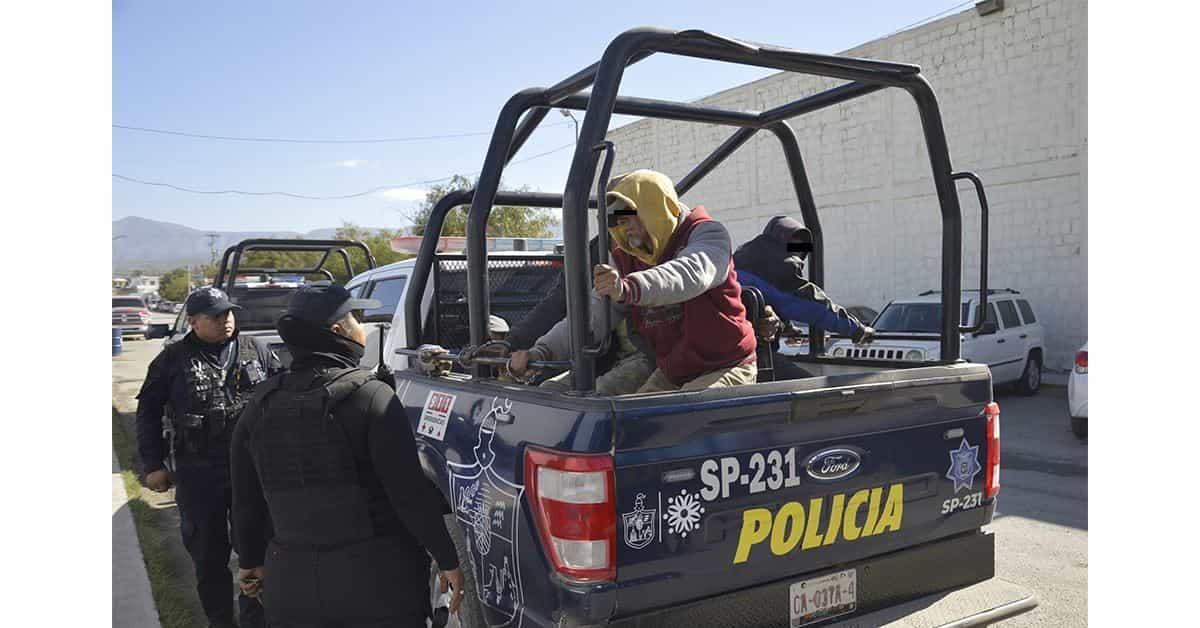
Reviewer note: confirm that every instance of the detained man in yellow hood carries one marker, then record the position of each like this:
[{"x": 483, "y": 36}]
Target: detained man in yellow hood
[{"x": 672, "y": 281}]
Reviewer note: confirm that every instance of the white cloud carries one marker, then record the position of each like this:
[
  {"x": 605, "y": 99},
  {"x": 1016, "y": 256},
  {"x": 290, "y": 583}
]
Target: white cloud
[
  {"x": 404, "y": 194},
  {"x": 351, "y": 163}
]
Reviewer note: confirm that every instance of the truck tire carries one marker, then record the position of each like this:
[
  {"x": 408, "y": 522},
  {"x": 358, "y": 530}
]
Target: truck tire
[
  {"x": 1031, "y": 378},
  {"x": 1079, "y": 426},
  {"x": 470, "y": 612}
]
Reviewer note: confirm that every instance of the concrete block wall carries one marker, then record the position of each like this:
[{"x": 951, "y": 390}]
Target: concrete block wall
[{"x": 1012, "y": 87}]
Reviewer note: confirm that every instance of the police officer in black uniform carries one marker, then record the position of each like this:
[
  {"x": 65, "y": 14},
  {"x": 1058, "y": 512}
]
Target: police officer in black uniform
[
  {"x": 187, "y": 408},
  {"x": 325, "y": 449}
]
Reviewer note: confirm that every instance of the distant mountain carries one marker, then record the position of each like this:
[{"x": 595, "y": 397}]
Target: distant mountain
[{"x": 155, "y": 246}]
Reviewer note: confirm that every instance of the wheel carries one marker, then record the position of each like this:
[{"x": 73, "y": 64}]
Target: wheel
[
  {"x": 1031, "y": 378},
  {"x": 470, "y": 612},
  {"x": 1079, "y": 426}
]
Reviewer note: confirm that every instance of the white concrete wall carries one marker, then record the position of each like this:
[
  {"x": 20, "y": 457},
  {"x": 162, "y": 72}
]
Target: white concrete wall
[{"x": 1012, "y": 87}]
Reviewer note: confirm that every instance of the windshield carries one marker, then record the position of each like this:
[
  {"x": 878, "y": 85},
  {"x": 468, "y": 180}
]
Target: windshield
[
  {"x": 912, "y": 317},
  {"x": 128, "y": 302}
]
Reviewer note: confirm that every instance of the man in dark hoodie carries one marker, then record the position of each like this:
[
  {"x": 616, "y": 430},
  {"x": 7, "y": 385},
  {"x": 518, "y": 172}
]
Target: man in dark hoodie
[
  {"x": 325, "y": 450},
  {"x": 773, "y": 262}
]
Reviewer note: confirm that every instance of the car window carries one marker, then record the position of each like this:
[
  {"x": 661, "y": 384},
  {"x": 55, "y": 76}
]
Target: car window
[
  {"x": 1008, "y": 313},
  {"x": 356, "y": 291},
  {"x": 128, "y": 302},
  {"x": 910, "y": 317},
  {"x": 388, "y": 292},
  {"x": 181, "y": 323},
  {"x": 991, "y": 315},
  {"x": 1026, "y": 312}
]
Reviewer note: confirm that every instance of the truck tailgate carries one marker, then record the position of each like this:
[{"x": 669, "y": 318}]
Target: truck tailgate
[{"x": 718, "y": 491}]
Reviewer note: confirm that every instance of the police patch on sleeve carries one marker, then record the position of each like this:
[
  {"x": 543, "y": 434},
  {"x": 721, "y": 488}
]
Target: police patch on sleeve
[{"x": 964, "y": 466}]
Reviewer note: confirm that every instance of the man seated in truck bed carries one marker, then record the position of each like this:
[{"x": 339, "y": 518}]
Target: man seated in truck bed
[{"x": 673, "y": 282}]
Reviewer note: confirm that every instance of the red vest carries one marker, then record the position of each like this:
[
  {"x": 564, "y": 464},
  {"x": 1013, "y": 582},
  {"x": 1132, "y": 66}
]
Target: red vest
[{"x": 707, "y": 333}]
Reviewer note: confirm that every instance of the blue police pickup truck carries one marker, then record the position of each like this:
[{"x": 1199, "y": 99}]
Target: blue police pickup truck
[{"x": 856, "y": 495}]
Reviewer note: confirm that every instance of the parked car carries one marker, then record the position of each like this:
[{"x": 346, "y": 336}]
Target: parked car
[
  {"x": 1077, "y": 393},
  {"x": 176, "y": 308},
  {"x": 131, "y": 315},
  {"x": 1012, "y": 343}
]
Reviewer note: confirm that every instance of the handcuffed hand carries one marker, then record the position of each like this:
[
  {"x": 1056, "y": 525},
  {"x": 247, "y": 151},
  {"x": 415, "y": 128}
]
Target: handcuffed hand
[
  {"x": 768, "y": 325},
  {"x": 865, "y": 335},
  {"x": 427, "y": 362}
]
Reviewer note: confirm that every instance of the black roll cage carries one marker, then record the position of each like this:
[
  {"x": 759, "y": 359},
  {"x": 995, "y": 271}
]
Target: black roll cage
[
  {"x": 232, "y": 258},
  {"x": 526, "y": 109}
]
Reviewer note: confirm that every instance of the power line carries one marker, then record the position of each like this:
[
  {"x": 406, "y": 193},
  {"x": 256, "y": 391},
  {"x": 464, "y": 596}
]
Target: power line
[
  {"x": 931, "y": 17},
  {"x": 374, "y": 190},
  {"x": 289, "y": 140}
]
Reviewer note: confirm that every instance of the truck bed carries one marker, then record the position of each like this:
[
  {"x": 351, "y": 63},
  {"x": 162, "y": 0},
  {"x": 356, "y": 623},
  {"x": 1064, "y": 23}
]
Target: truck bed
[{"x": 701, "y": 479}]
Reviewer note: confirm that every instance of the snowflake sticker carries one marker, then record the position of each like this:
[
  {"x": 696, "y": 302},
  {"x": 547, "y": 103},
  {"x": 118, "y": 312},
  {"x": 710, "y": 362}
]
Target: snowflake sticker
[{"x": 683, "y": 513}]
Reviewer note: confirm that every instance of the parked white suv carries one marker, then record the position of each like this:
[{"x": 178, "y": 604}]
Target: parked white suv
[{"x": 1011, "y": 342}]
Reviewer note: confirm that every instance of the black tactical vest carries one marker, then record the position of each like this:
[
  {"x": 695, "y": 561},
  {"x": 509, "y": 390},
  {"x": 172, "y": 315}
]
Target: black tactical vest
[
  {"x": 305, "y": 462},
  {"x": 206, "y": 399}
]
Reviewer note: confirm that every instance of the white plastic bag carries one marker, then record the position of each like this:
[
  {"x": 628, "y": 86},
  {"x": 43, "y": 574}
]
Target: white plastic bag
[{"x": 441, "y": 613}]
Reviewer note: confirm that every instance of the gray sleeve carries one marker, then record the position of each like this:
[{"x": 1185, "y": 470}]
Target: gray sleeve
[
  {"x": 556, "y": 343},
  {"x": 698, "y": 267}
]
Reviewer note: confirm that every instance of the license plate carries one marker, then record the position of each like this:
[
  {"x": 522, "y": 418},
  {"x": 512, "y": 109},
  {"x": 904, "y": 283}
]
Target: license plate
[{"x": 818, "y": 599}]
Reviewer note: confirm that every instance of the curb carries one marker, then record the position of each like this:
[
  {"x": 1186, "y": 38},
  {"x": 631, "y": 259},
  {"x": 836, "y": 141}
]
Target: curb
[{"x": 132, "y": 601}]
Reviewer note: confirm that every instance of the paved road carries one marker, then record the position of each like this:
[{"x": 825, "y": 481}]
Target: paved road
[{"x": 1041, "y": 518}]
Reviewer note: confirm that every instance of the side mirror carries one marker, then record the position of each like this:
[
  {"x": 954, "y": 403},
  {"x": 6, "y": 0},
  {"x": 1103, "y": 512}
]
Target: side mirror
[
  {"x": 989, "y": 327},
  {"x": 158, "y": 330}
]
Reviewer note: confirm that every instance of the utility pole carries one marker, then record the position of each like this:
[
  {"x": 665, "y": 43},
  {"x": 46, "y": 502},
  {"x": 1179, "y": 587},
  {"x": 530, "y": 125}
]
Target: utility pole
[{"x": 212, "y": 247}]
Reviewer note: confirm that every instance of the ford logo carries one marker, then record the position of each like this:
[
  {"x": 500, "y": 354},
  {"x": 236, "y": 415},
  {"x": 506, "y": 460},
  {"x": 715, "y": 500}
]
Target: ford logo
[{"x": 833, "y": 464}]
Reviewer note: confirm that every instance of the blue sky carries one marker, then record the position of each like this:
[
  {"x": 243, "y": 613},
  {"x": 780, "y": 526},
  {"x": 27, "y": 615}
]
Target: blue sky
[{"x": 364, "y": 70}]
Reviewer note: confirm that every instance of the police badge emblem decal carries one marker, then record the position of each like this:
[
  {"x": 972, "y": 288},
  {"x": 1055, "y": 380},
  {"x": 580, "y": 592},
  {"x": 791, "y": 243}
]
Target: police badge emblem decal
[
  {"x": 964, "y": 466},
  {"x": 487, "y": 508},
  {"x": 639, "y": 524}
]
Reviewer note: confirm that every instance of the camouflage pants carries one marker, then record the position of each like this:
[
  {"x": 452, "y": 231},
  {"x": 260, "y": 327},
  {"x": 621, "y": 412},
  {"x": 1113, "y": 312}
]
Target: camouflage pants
[
  {"x": 733, "y": 376},
  {"x": 624, "y": 378}
]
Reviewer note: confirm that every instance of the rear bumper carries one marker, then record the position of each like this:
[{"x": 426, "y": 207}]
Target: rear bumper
[
  {"x": 950, "y": 581},
  {"x": 1077, "y": 395}
]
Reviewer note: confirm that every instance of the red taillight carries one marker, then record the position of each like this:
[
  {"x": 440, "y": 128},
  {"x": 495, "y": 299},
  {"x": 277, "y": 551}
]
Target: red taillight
[
  {"x": 1081, "y": 362},
  {"x": 573, "y": 499},
  {"x": 992, "y": 483}
]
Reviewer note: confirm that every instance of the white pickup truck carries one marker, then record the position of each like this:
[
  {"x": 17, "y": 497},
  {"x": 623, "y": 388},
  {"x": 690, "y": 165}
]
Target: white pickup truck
[
  {"x": 1011, "y": 344},
  {"x": 516, "y": 287}
]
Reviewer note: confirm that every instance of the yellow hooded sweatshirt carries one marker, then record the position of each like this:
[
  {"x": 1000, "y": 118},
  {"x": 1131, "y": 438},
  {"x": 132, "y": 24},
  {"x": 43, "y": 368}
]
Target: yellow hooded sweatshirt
[{"x": 652, "y": 195}]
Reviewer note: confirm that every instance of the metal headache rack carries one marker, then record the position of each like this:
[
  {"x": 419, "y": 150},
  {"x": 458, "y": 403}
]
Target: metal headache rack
[
  {"x": 232, "y": 258},
  {"x": 526, "y": 109},
  {"x": 516, "y": 285}
]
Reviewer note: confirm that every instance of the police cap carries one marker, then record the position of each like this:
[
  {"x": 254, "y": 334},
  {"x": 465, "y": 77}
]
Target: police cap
[
  {"x": 208, "y": 300},
  {"x": 326, "y": 303}
]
